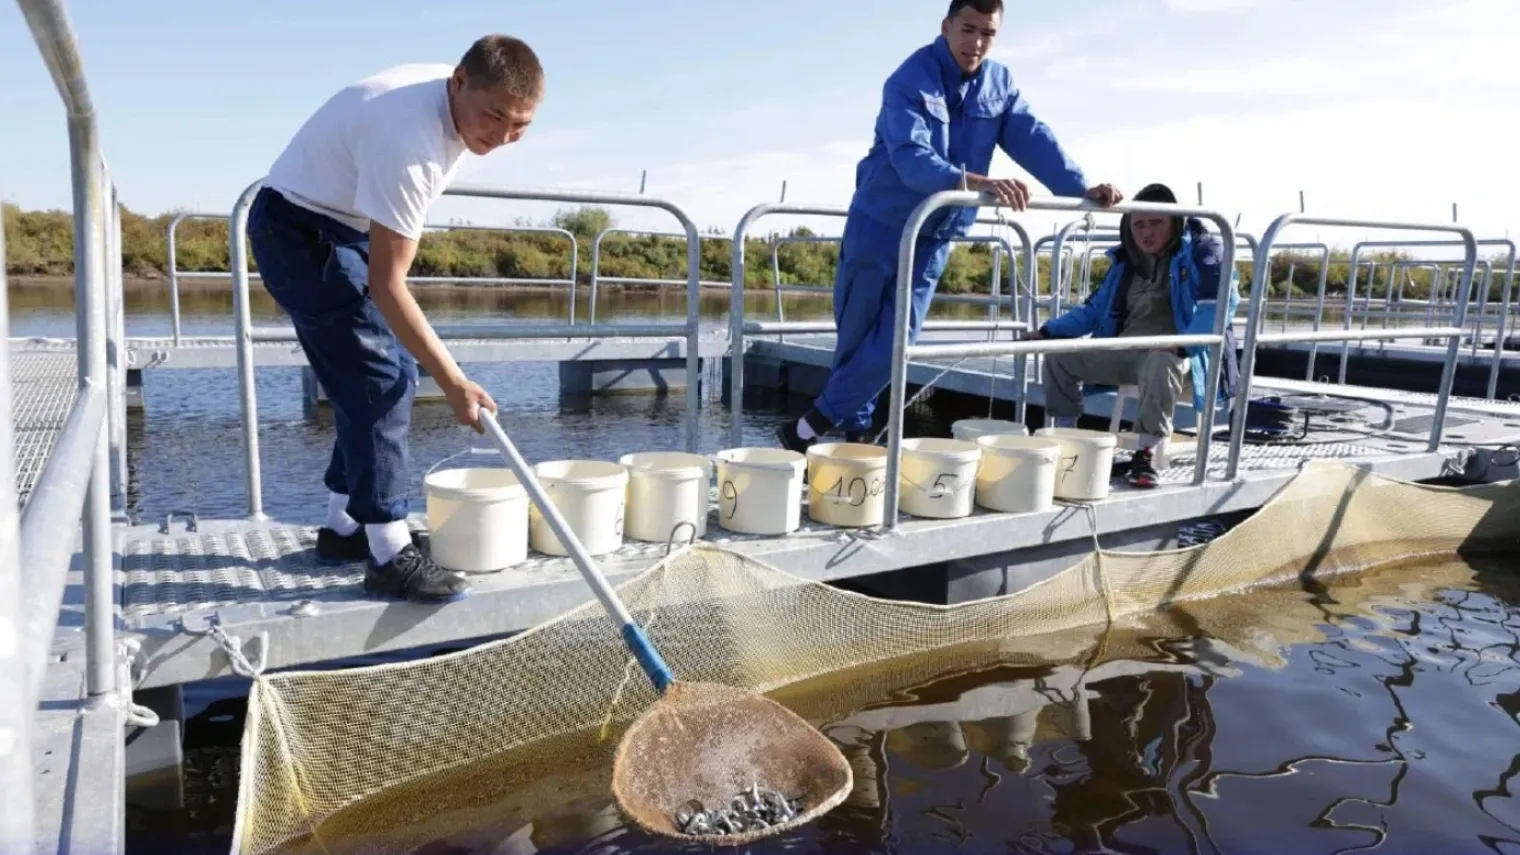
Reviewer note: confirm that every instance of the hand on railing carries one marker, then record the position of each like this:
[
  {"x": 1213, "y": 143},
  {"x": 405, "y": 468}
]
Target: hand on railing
[{"x": 1106, "y": 195}]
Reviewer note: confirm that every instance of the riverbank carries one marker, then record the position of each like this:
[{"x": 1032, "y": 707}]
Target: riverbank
[{"x": 223, "y": 285}]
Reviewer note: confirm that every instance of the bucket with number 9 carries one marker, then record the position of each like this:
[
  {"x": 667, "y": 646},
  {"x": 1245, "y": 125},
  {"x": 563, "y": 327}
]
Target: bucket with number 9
[{"x": 759, "y": 490}]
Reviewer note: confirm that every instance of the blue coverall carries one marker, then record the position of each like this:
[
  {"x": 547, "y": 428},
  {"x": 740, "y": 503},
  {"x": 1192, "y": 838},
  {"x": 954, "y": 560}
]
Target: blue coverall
[{"x": 934, "y": 122}]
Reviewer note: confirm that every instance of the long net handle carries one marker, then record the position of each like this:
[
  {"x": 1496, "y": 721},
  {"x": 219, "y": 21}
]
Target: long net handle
[{"x": 649, "y": 659}]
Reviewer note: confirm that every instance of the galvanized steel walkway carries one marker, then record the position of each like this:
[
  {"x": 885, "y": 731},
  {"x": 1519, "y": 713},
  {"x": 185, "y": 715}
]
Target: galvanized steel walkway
[{"x": 44, "y": 384}]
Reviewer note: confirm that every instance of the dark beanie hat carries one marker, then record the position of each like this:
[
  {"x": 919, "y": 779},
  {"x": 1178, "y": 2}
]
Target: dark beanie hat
[{"x": 1157, "y": 193}]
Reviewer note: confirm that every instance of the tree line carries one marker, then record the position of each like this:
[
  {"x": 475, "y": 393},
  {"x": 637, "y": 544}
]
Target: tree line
[{"x": 40, "y": 243}]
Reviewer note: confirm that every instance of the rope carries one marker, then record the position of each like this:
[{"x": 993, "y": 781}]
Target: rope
[{"x": 1092, "y": 523}]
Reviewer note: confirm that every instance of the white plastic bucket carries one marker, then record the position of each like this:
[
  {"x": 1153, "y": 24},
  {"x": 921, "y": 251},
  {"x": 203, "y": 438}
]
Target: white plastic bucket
[
  {"x": 760, "y": 490},
  {"x": 937, "y": 478},
  {"x": 590, "y": 496},
  {"x": 847, "y": 483},
  {"x": 1087, "y": 459},
  {"x": 665, "y": 490},
  {"x": 1017, "y": 474},
  {"x": 477, "y": 519},
  {"x": 970, "y": 430}
]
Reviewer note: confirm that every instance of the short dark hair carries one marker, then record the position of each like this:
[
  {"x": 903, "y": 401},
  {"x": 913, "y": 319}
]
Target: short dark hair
[
  {"x": 986, "y": 7},
  {"x": 505, "y": 62}
]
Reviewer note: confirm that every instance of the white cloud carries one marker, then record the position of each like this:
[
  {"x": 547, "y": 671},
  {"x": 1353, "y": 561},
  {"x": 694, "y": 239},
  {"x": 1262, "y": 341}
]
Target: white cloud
[{"x": 1205, "y": 6}]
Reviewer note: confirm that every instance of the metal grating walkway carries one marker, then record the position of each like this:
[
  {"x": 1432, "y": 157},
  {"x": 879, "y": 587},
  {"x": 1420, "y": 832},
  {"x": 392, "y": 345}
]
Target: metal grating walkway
[{"x": 44, "y": 385}]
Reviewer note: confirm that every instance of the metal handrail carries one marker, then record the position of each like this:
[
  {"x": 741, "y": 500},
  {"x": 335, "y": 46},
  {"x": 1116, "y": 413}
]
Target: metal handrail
[
  {"x": 736, "y": 303},
  {"x": 245, "y": 335},
  {"x": 16, "y": 657},
  {"x": 738, "y": 327},
  {"x": 1454, "y": 333},
  {"x": 75, "y": 482},
  {"x": 993, "y": 302},
  {"x": 1504, "y": 300},
  {"x": 175, "y": 273},
  {"x": 596, "y": 266},
  {"x": 903, "y": 352}
]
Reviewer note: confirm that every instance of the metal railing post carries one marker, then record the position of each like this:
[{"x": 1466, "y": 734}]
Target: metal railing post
[
  {"x": 1438, "y": 287},
  {"x": 173, "y": 271},
  {"x": 902, "y": 351},
  {"x": 736, "y": 304},
  {"x": 18, "y": 807},
  {"x": 55, "y": 39},
  {"x": 1253, "y": 338},
  {"x": 242, "y": 321},
  {"x": 116, "y": 352}
]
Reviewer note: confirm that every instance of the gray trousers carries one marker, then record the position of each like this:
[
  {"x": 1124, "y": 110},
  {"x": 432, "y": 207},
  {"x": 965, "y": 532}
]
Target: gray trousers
[{"x": 1160, "y": 376}]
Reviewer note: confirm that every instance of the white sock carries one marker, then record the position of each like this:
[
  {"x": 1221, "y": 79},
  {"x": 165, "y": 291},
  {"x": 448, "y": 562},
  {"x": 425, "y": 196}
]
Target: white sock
[
  {"x": 337, "y": 515},
  {"x": 804, "y": 429},
  {"x": 1147, "y": 442},
  {"x": 387, "y": 539}
]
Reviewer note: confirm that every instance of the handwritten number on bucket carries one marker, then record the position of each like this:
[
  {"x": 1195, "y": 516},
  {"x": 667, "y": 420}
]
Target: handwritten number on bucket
[
  {"x": 1071, "y": 467},
  {"x": 856, "y": 485},
  {"x": 729, "y": 494},
  {"x": 941, "y": 489}
]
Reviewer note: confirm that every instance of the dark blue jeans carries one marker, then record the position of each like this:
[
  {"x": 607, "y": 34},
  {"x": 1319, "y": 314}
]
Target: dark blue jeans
[{"x": 317, "y": 269}]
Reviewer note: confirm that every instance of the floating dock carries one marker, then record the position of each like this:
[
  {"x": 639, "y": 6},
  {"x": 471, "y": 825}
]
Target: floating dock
[{"x": 112, "y": 618}]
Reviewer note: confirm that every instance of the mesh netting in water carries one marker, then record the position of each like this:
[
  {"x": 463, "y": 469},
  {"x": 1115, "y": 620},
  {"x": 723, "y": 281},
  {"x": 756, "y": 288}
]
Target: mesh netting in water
[{"x": 317, "y": 742}]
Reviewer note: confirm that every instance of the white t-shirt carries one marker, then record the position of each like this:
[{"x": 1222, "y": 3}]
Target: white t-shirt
[{"x": 382, "y": 149}]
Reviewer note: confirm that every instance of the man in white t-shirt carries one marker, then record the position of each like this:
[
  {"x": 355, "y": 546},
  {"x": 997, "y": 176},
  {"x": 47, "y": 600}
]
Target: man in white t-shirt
[{"x": 334, "y": 231}]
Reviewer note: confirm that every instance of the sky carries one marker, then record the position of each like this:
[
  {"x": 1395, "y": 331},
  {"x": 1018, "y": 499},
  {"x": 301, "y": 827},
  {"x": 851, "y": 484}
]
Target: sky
[{"x": 1374, "y": 109}]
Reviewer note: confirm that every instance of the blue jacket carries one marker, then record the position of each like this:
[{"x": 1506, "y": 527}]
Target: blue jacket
[
  {"x": 1195, "y": 288},
  {"x": 934, "y": 121}
]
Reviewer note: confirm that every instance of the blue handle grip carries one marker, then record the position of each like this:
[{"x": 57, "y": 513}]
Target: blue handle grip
[{"x": 648, "y": 658}]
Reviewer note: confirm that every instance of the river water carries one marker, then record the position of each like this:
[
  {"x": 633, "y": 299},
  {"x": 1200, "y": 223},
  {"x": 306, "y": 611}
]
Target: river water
[{"x": 1378, "y": 715}]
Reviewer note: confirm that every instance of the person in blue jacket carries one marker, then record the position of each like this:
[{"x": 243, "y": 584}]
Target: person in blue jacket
[
  {"x": 1163, "y": 279},
  {"x": 944, "y": 110}
]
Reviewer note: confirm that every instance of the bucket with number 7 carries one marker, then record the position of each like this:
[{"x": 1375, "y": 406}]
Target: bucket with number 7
[
  {"x": 847, "y": 483},
  {"x": 1085, "y": 463}
]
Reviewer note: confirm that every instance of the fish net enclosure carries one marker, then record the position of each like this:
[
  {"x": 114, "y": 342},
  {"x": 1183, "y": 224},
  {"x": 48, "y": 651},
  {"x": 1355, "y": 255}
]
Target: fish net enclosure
[{"x": 317, "y": 743}]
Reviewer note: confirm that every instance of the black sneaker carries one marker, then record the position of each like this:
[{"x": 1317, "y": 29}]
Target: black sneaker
[
  {"x": 334, "y": 548},
  {"x": 1142, "y": 471},
  {"x": 412, "y": 575},
  {"x": 787, "y": 435}
]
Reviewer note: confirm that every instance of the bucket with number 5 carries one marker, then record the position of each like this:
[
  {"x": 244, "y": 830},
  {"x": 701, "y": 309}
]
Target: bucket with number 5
[
  {"x": 937, "y": 478},
  {"x": 590, "y": 495},
  {"x": 847, "y": 483}
]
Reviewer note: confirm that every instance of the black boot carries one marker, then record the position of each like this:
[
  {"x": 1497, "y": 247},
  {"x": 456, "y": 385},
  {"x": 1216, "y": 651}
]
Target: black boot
[{"x": 792, "y": 441}]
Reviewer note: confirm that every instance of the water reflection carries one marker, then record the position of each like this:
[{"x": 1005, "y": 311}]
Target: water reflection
[{"x": 1376, "y": 713}]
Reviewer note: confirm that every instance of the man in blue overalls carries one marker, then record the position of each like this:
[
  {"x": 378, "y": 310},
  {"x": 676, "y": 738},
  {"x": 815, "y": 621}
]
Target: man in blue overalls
[{"x": 943, "y": 113}]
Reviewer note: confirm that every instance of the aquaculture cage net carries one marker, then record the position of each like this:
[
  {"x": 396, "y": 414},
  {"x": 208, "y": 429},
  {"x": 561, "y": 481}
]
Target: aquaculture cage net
[{"x": 318, "y": 742}]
